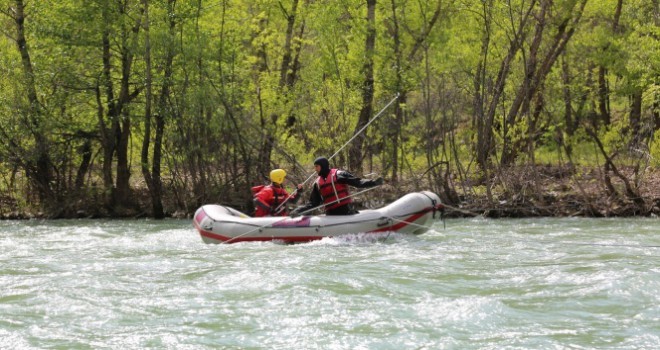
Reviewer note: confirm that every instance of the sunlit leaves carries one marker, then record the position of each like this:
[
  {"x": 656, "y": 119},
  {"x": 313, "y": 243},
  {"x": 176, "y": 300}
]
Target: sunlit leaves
[{"x": 226, "y": 92}]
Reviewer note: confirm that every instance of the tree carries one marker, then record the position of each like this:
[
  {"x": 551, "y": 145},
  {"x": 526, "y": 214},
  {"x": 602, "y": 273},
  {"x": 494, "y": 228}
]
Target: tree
[
  {"x": 356, "y": 151},
  {"x": 538, "y": 62},
  {"x": 404, "y": 57},
  {"x": 115, "y": 118},
  {"x": 36, "y": 159},
  {"x": 153, "y": 177}
]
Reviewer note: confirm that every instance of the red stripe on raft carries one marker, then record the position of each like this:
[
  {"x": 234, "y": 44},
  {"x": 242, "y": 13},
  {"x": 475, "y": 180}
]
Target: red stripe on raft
[
  {"x": 299, "y": 239},
  {"x": 222, "y": 238},
  {"x": 403, "y": 223}
]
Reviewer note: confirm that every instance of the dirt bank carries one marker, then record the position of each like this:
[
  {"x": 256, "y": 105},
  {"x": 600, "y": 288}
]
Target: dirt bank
[{"x": 561, "y": 192}]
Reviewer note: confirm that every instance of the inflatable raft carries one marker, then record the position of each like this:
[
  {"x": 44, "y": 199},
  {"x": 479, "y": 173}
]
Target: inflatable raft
[{"x": 412, "y": 213}]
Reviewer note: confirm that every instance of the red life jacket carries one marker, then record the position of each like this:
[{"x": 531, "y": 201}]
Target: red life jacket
[
  {"x": 332, "y": 191},
  {"x": 267, "y": 198},
  {"x": 257, "y": 189}
]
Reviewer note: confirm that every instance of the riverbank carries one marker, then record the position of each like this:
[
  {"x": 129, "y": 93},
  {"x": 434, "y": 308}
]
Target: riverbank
[
  {"x": 545, "y": 191},
  {"x": 541, "y": 191}
]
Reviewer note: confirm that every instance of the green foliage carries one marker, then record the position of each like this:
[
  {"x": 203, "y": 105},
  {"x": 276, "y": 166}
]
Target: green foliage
[
  {"x": 224, "y": 91},
  {"x": 655, "y": 151}
]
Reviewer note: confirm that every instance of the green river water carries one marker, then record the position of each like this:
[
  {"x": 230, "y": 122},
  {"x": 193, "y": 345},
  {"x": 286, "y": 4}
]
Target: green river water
[{"x": 466, "y": 284}]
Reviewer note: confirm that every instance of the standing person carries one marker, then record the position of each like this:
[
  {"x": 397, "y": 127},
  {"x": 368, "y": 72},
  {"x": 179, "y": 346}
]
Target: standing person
[
  {"x": 331, "y": 189},
  {"x": 270, "y": 200}
]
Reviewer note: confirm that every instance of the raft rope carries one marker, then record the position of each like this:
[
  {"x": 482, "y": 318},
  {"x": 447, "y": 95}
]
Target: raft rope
[{"x": 467, "y": 212}]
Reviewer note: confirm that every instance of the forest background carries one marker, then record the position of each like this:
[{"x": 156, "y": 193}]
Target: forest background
[{"x": 155, "y": 107}]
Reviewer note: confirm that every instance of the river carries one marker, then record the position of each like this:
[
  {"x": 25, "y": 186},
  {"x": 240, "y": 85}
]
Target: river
[{"x": 550, "y": 283}]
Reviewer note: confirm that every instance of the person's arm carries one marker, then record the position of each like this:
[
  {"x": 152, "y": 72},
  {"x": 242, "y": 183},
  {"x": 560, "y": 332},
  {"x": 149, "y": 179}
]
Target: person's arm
[
  {"x": 288, "y": 199},
  {"x": 314, "y": 201},
  {"x": 262, "y": 202},
  {"x": 296, "y": 196},
  {"x": 347, "y": 178}
]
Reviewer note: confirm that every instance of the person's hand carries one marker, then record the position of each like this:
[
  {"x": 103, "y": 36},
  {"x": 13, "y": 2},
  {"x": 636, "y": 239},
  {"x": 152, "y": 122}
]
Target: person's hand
[
  {"x": 277, "y": 212},
  {"x": 379, "y": 181},
  {"x": 294, "y": 213},
  {"x": 300, "y": 188}
]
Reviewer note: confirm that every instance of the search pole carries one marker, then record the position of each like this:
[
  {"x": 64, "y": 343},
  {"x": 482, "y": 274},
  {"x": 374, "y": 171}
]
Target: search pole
[
  {"x": 345, "y": 144},
  {"x": 365, "y": 126}
]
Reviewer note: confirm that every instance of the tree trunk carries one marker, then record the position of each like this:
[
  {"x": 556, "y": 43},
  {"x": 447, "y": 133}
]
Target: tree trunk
[
  {"x": 157, "y": 193},
  {"x": 285, "y": 83},
  {"x": 480, "y": 122},
  {"x": 486, "y": 106},
  {"x": 38, "y": 167},
  {"x": 152, "y": 178},
  {"x": 402, "y": 63},
  {"x": 394, "y": 128},
  {"x": 116, "y": 137},
  {"x": 656, "y": 94},
  {"x": 107, "y": 133},
  {"x": 603, "y": 85},
  {"x": 148, "y": 97},
  {"x": 356, "y": 154},
  {"x": 656, "y": 110},
  {"x": 570, "y": 123},
  {"x": 85, "y": 163},
  {"x": 535, "y": 77},
  {"x": 287, "y": 55},
  {"x": 636, "y": 118},
  {"x": 520, "y": 105},
  {"x": 603, "y": 97},
  {"x": 123, "y": 195}
]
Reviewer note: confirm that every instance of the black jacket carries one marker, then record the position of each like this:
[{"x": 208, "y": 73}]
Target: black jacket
[{"x": 343, "y": 177}]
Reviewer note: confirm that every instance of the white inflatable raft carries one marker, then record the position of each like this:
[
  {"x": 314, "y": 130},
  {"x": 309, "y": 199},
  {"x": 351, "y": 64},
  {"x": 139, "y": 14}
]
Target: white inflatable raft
[{"x": 412, "y": 213}]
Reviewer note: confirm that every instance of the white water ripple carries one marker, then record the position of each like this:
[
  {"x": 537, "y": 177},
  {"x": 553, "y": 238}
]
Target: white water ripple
[{"x": 469, "y": 284}]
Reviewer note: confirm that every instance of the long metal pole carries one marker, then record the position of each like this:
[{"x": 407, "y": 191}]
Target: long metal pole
[
  {"x": 365, "y": 126},
  {"x": 342, "y": 147},
  {"x": 285, "y": 218}
]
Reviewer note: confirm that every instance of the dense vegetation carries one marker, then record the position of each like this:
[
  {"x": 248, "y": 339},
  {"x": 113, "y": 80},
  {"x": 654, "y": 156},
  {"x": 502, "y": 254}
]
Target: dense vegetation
[{"x": 149, "y": 107}]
